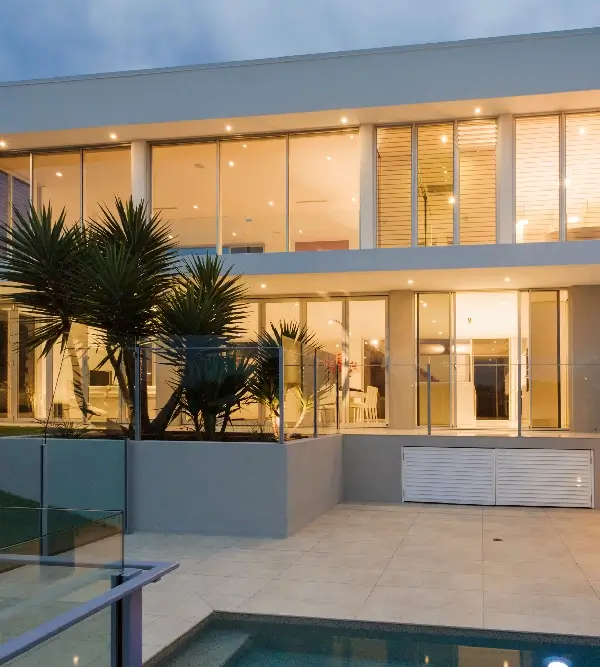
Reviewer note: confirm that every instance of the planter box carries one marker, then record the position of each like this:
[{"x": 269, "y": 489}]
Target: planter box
[{"x": 260, "y": 489}]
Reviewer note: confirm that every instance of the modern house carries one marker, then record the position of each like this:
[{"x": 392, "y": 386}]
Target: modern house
[{"x": 429, "y": 211}]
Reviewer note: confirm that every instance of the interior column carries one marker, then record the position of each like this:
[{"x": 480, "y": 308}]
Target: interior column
[{"x": 402, "y": 368}]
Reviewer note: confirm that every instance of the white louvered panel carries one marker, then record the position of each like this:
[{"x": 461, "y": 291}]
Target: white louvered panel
[
  {"x": 477, "y": 181},
  {"x": 537, "y": 178},
  {"x": 448, "y": 475},
  {"x": 544, "y": 477},
  {"x": 394, "y": 160}
]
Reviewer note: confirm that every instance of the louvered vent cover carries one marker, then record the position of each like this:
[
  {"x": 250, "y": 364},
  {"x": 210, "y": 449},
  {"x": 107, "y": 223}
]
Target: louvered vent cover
[
  {"x": 544, "y": 477},
  {"x": 448, "y": 475},
  {"x": 394, "y": 187},
  {"x": 477, "y": 178}
]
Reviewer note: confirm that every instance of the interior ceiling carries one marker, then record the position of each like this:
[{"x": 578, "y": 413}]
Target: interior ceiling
[{"x": 307, "y": 121}]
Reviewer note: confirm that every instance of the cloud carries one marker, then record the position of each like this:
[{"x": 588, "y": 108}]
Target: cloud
[{"x": 40, "y": 38}]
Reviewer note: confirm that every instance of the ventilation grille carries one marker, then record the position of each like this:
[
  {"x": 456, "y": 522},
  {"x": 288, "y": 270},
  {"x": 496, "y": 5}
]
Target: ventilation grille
[
  {"x": 582, "y": 184},
  {"x": 394, "y": 165},
  {"x": 544, "y": 477},
  {"x": 448, "y": 475},
  {"x": 537, "y": 179},
  {"x": 477, "y": 173}
]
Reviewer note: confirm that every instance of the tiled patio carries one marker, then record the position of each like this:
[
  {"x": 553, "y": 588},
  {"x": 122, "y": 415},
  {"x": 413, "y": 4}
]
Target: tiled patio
[{"x": 515, "y": 569}]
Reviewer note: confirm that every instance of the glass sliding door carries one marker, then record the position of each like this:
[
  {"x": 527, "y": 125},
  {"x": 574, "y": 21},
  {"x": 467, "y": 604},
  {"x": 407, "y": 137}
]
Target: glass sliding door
[
  {"x": 26, "y": 384},
  {"x": 434, "y": 333}
]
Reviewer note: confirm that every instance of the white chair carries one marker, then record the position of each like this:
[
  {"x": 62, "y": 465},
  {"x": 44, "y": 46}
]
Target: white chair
[{"x": 365, "y": 407}]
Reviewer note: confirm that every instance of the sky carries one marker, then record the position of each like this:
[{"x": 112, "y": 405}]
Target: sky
[{"x": 46, "y": 38}]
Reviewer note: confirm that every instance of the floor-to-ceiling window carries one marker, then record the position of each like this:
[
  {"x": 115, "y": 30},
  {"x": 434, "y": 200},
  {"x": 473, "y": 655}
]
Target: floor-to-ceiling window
[
  {"x": 324, "y": 187},
  {"x": 252, "y": 195},
  {"x": 506, "y": 356},
  {"x": 184, "y": 192},
  {"x": 106, "y": 175},
  {"x": 435, "y": 187},
  {"x": 57, "y": 184},
  {"x": 14, "y": 191}
]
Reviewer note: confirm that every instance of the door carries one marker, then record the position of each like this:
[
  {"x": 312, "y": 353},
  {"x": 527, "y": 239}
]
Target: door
[{"x": 491, "y": 378}]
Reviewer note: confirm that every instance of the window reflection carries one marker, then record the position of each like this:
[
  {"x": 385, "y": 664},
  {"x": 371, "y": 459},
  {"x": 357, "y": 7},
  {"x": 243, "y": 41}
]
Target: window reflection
[
  {"x": 106, "y": 175},
  {"x": 57, "y": 183}
]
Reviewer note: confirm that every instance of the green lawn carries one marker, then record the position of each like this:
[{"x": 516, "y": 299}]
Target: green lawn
[{"x": 20, "y": 430}]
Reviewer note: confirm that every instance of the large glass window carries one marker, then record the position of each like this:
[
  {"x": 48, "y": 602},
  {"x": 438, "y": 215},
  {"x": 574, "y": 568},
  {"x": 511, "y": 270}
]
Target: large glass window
[
  {"x": 184, "y": 192},
  {"x": 106, "y": 175},
  {"x": 537, "y": 179},
  {"x": 57, "y": 183},
  {"x": 26, "y": 368},
  {"x": 14, "y": 188},
  {"x": 394, "y": 189},
  {"x": 324, "y": 178},
  {"x": 477, "y": 181},
  {"x": 253, "y": 194},
  {"x": 582, "y": 181},
  {"x": 436, "y": 184},
  {"x": 281, "y": 311}
]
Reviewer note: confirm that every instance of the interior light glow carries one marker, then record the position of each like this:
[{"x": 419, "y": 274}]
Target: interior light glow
[
  {"x": 271, "y": 203},
  {"x": 557, "y": 662},
  {"x": 582, "y": 130},
  {"x": 59, "y": 174},
  {"x": 567, "y": 182},
  {"x": 329, "y": 157},
  {"x": 351, "y": 136},
  {"x": 572, "y": 219},
  {"x": 233, "y": 234},
  {"x": 444, "y": 139},
  {"x": 231, "y": 163},
  {"x": 112, "y": 136},
  {"x": 263, "y": 286},
  {"x": 507, "y": 280},
  {"x": 353, "y": 198},
  {"x": 424, "y": 304},
  {"x": 243, "y": 145},
  {"x": 344, "y": 120},
  {"x": 195, "y": 205},
  {"x": 374, "y": 342},
  {"x": 522, "y": 223},
  {"x": 477, "y": 110},
  {"x": 451, "y": 200},
  {"x": 75, "y": 659},
  {"x": 228, "y": 128},
  {"x": 410, "y": 281},
  {"x": 2, "y": 144}
]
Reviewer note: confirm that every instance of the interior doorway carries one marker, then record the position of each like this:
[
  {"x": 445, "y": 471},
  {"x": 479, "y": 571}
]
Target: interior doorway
[{"x": 491, "y": 375}]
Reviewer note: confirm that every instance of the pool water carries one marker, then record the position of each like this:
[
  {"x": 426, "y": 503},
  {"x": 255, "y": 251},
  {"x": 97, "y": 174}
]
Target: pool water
[{"x": 280, "y": 642}]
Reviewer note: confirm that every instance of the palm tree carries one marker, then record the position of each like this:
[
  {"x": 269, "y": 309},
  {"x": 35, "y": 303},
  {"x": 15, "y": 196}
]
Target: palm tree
[
  {"x": 265, "y": 384},
  {"x": 121, "y": 277}
]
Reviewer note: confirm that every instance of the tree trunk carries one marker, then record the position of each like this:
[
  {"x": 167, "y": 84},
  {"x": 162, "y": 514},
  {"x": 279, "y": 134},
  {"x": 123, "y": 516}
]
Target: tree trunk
[{"x": 80, "y": 397}]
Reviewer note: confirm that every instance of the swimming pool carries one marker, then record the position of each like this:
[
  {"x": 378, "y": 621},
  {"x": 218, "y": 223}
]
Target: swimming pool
[{"x": 245, "y": 641}]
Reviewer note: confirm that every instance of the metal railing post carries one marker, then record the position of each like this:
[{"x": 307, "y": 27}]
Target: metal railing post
[
  {"x": 315, "y": 398},
  {"x": 281, "y": 397},
  {"x": 428, "y": 399},
  {"x": 137, "y": 417},
  {"x": 519, "y": 402}
]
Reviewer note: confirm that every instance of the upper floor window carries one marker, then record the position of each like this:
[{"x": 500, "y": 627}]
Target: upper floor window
[{"x": 57, "y": 183}]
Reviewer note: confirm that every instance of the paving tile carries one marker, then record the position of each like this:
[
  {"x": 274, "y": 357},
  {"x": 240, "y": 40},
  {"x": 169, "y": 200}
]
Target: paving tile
[
  {"x": 439, "y": 580},
  {"x": 344, "y": 560},
  {"x": 307, "y": 608},
  {"x": 251, "y": 555},
  {"x": 322, "y": 592},
  {"x": 231, "y": 568},
  {"x": 402, "y": 605},
  {"x": 435, "y": 564},
  {"x": 362, "y": 548},
  {"x": 342, "y": 575},
  {"x": 539, "y": 586}
]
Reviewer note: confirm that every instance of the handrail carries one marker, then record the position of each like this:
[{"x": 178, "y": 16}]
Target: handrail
[{"x": 151, "y": 572}]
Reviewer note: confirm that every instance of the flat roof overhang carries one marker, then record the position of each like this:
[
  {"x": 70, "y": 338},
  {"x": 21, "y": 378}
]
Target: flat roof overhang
[{"x": 521, "y": 74}]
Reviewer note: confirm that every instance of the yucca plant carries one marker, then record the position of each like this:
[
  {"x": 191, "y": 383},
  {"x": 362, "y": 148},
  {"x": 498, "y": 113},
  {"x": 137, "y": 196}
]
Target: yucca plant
[{"x": 265, "y": 384}]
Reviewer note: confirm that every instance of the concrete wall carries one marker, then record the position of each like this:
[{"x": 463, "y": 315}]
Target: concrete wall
[
  {"x": 402, "y": 346},
  {"x": 373, "y": 463},
  {"x": 20, "y": 467},
  {"x": 584, "y": 339},
  {"x": 314, "y": 479},
  {"x": 259, "y": 489}
]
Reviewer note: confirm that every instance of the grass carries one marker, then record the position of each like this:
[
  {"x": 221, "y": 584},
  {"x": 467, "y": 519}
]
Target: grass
[{"x": 20, "y": 430}]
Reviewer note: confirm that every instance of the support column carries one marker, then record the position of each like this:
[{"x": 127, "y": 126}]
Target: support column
[
  {"x": 584, "y": 343},
  {"x": 140, "y": 172},
  {"x": 368, "y": 187},
  {"x": 402, "y": 371},
  {"x": 505, "y": 183}
]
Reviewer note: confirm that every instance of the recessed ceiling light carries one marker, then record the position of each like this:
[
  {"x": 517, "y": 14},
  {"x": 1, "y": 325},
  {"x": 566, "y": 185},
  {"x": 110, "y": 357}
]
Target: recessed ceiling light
[
  {"x": 228, "y": 128},
  {"x": 477, "y": 110},
  {"x": 299, "y": 231},
  {"x": 582, "y": 130},
  {"x": 572, "y": 219},
  {"x": 75, "y": 659},
  {"x": 433, "y": 321},
  {"x": 507, "y": 280},
  {"x": 344, "y": 120},
  {"x": 263, "y": 286},
  {"x": 353, "y": 198},
  {"x": 233, "y": 234},
  {"x": 2, "y": 144},
  {"x": 59, "y": 174},
  {"x": 243, "y": 145},
  {"x": 411, "y": 281},
  {"x": 440, "y": 333},
  {"x": 112, "y": 136},
  {"x": 424, "y": 304},
  {"x": 329, "y": 157},
  {"x": 231, "y": 163},
  {"x": 271, "y": 203},
  {"x": 451, "y": 200},
  {"x": 374, "y": 341},
  {"x": 195, "y": 205},
  {"x": 444, "y": 139},
  {"x": 567, "y": 182},
  {"x": 351, "y": 136}
]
